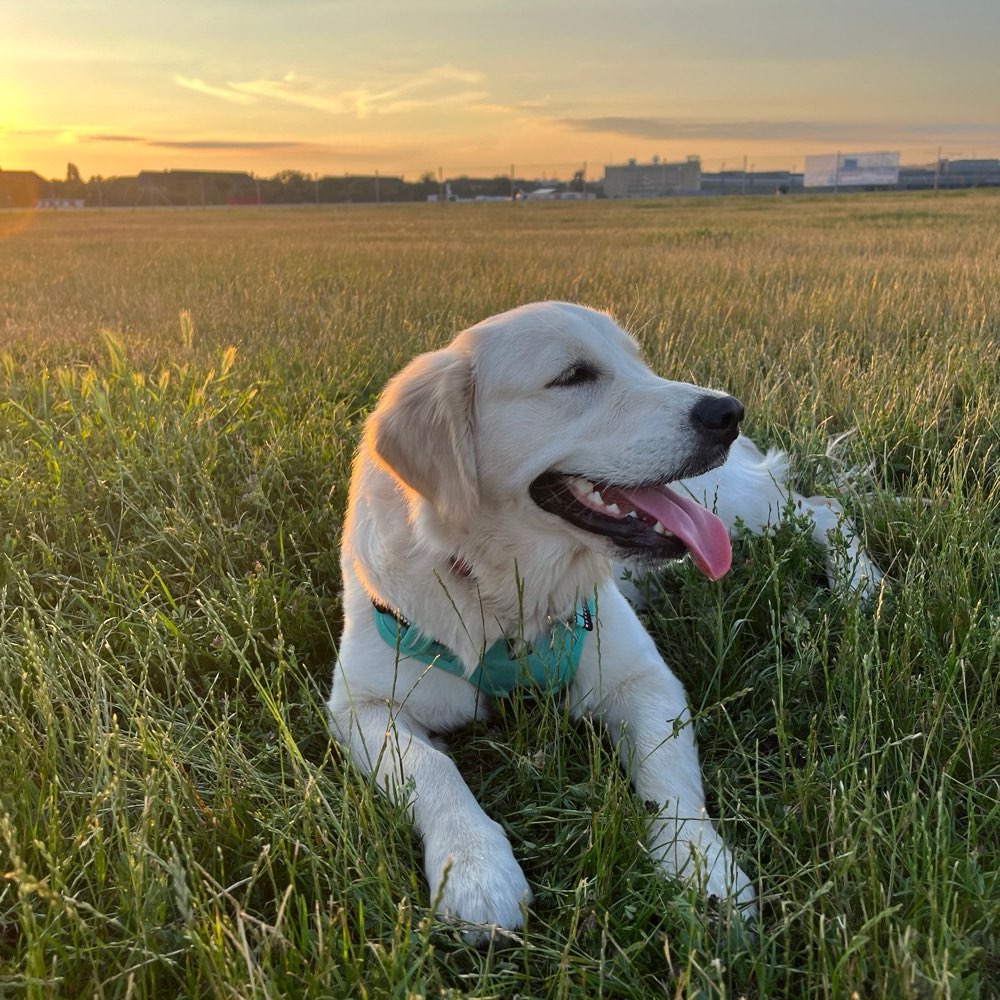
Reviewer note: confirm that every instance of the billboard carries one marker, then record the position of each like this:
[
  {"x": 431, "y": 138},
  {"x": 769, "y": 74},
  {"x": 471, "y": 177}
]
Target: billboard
[{"x": 852, "y": 170}]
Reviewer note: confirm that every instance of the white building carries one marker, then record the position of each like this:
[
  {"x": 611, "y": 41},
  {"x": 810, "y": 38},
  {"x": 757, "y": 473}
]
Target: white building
[{"x": 652, "y": 180}]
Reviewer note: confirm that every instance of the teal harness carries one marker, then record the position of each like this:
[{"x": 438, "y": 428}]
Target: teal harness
[{"x": 547, "y": 664}]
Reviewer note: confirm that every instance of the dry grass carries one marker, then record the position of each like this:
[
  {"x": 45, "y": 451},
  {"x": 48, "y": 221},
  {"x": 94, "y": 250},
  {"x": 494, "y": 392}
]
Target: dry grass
[{"x": 173, "y": 818}]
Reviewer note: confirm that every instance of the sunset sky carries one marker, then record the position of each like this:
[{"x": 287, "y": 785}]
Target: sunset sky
[{"x": 473, "y": 86}]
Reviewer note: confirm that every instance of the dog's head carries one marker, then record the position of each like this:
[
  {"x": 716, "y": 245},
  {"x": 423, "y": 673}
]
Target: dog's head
[{"x": 548, "y": 415}]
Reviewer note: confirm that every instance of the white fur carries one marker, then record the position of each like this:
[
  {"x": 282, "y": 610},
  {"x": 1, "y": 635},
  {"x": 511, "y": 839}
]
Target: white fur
[{"x": 441, "y": 527}]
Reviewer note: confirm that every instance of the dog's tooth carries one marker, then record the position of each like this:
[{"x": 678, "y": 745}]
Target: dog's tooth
[
  {"x": 596, "y": 498},
  {"x": 659, "y": 529},
  {"x": 633, "y": 515},
  {"x": 612, "y": 508}
]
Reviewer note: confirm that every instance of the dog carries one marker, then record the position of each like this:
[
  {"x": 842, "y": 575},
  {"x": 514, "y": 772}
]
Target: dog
[{"x": 499, "y": 484}]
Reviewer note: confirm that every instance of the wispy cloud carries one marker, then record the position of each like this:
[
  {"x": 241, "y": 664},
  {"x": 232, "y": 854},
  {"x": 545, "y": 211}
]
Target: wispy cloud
[
  {"x": 224, "y": 93},
  {"x": 444, "y": 86},
  {"x": 112, "y": 137},
  {"x": 433, "y": 87},
  {"x": 343, "y": 147},
  {"x": 217, "y": 144},
  {"x": 291, "y": 90},
  {"x": 667, "y": 129},
  {"x": 226, "y": 144}
]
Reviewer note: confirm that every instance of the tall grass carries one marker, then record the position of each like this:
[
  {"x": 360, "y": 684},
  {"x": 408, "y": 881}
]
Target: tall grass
[{"x": 180, "y": 395}]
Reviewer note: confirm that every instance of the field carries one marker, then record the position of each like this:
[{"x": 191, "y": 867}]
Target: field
[{"x": 180, "y": 395}]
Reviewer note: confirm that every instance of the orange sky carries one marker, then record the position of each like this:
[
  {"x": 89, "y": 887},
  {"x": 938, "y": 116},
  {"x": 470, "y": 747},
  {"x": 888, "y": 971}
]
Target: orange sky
[{"x": 338, "y": 86}]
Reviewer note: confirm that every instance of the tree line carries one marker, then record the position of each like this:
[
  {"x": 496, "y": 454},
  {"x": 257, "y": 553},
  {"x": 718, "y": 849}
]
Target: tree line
[{"x": 196, "y": 188}]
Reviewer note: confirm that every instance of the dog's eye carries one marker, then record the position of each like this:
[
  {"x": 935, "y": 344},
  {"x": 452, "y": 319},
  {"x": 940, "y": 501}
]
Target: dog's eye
[{"x": 576, "y": 375}]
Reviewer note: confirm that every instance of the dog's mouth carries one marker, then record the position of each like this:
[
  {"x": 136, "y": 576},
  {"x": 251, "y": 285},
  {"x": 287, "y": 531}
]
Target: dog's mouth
[{"x": 651, "y": 521}]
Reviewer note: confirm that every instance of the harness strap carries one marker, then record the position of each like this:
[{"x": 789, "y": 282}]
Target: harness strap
[{"x": 548, "y": 664}]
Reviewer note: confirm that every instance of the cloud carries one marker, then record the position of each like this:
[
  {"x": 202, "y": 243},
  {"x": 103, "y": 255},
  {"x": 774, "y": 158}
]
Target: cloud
[
  {"x": 406, "y": 105},
  {"x": 225, "y": 144},
  {"x": 224, "y": 93},
  {"x": 343, "y": 149},
  {"x": 440, "y": 86},
  {"x": 250, "y": 145},
  {"x": 289, "y": 92},
  {"x": 113, "y": 137},
  {"x": 667, "y": 129},
  {"x": 432, "y": 86}
]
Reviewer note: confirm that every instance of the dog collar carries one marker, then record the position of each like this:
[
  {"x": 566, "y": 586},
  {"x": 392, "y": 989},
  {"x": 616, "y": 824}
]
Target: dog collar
[{"x": 547, "y": 664}]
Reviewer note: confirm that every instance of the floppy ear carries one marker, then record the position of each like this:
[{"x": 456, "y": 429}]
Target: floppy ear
[{"x": 422, "y": 431}]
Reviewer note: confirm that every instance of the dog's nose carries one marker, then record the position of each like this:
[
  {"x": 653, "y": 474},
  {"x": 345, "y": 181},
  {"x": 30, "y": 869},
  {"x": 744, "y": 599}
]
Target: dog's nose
[{"x": 718, "y": 418}]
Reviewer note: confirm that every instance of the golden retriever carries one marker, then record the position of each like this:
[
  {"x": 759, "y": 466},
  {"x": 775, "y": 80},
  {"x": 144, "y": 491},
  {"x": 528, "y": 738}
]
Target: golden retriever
[{"x": 499, "y": 481}]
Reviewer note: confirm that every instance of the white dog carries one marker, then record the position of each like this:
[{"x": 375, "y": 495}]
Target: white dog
[{"x": 497, "y": 480}]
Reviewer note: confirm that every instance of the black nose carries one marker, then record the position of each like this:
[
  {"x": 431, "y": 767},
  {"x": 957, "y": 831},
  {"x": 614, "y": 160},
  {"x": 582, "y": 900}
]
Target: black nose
[{"x": 718, "y": 418}]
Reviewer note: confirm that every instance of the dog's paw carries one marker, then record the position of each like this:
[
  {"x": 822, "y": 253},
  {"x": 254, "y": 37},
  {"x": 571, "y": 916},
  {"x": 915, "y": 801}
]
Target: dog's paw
[
  {"x": 728, "y": 881},
  {"x": 865, "y": 578},
  {"x": 478, "y": 882},
  {"x": 698, "y": 856},
  {"x": 852, "y": 573},
  {"x": 849, "y": 568}
]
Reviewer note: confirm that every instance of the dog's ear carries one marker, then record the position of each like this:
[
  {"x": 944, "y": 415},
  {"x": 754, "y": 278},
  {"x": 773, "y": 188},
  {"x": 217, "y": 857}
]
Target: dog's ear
[{"x": 422, "y": 431}]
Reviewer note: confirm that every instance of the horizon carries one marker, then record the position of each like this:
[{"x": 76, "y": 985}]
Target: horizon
[
  {"x": 119, "y": 176},
  {"x": 352, "y": 88}
]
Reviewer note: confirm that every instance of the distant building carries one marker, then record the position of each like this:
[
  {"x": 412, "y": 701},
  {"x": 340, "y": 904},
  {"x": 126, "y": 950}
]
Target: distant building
[
  {"x": 969, "y": 173},
  {"x": 652, "y": 180},
  {"x": 751, "y": 182},
  {"x": 945, "y": 174},
  {"x": 61, "y": 203},
  {"x": 852, "y": 171},
  {"x": 21, "y": 188}
]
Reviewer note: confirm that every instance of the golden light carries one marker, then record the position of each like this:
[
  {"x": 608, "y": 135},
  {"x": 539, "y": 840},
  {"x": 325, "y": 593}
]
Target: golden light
[{"x": 16, "y": 221}]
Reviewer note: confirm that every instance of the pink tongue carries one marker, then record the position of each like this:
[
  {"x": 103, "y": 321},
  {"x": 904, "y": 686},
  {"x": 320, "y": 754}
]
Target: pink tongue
[{"x": 699, "y": 529}]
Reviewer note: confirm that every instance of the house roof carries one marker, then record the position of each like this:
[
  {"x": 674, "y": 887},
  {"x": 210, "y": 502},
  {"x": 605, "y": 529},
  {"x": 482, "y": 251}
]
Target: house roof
[{"x": 20, "y": 175}]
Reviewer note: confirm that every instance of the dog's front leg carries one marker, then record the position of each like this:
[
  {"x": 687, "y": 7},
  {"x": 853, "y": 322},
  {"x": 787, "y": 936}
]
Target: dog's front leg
[
  {"x": 652, "y": 726},
  {"x": 468, "y": 860},
  {"x": 623, "y": 681}
]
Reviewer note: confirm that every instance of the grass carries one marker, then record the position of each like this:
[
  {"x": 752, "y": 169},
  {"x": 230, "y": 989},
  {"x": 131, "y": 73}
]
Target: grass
[{"x": 180, "y": 394}]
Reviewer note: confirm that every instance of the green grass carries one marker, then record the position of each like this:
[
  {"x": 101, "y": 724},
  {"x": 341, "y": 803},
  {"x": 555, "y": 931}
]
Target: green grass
[{"x": 180, "y": 395}]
